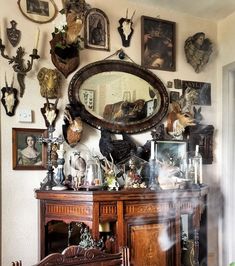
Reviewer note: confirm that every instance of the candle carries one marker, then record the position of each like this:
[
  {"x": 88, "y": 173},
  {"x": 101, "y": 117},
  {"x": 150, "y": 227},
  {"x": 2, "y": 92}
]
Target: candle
[
  {"x": 37, "y": 39},
  {"x": 152, "y": 154},
  {"x": 0, "y": 32}
]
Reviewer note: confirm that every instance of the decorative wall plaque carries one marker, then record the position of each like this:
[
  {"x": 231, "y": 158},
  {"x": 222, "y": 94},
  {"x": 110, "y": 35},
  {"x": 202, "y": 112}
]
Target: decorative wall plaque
[{"x": 13, "y": 34}]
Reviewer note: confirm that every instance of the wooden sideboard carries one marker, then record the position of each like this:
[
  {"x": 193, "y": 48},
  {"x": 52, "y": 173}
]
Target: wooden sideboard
[{"x": 148, "y": 222}]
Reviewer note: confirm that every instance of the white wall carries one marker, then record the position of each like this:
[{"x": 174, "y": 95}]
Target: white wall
[
  {"x": 20, "y": 210},
  {"x": 226, "y": 77}
]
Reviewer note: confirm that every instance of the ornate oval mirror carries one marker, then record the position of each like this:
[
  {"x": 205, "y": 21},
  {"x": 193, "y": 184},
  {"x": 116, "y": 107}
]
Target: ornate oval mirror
[{"x": 119, "y": 96}]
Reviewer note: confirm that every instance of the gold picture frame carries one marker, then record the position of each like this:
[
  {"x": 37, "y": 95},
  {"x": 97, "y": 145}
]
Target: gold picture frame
[
  {"x": 39, "y": 11},
  {"x": 23, "y": 157}
]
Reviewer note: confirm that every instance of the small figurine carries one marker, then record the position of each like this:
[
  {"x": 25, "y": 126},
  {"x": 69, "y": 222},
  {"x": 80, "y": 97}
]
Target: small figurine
[
  {"x": 109, "y": 175},
  {"x": 78, "y": 168},
  {"x": 133, "y": 174},
  {"x": 54, "y": 155}
]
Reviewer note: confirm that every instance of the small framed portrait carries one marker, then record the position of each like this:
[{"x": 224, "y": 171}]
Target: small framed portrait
[
  {"x": 39, "y": 11},
  {"x": 27, "y": 153},
  {"x": 171, "y": 153},
  {"x": 96, "y": 30},
  {"x": 158, "y": 43},
  {"x": 174, "y": 96}
]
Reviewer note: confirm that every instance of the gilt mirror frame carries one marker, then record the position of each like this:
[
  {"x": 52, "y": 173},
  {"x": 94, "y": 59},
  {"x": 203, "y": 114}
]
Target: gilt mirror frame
[{"x": 138, "y": 71}]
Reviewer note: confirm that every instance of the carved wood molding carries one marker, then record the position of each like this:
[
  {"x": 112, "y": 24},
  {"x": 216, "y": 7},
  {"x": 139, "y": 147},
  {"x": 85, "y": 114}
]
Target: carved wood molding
[
  {"x": 69, "y": 210},
  {"x": 75, "y": 255},
  {"x": 108, "y": 209},
  {"x": 133, "y": 209}
]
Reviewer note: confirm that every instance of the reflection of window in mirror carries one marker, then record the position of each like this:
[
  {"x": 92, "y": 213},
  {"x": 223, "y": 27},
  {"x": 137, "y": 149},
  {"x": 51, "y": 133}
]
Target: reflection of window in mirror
[{"x": 126, "y": 96}]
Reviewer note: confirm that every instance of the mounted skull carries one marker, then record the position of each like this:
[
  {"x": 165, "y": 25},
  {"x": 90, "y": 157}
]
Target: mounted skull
[
  {"x": 125, "y": 29},
  {"x": 50, "y": 112},
  {"x": 9, "y": 98}
]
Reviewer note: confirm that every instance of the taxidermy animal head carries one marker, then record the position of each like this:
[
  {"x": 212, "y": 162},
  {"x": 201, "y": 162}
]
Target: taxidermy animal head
[
  {"x": 49, "y": 81},
  {"x": 125, "y": 29},
  {"x": 9, "y": 98},
  {"x": 75, "y": 13},
  {"x": 74, "y": 26},
  {"x": 197, "y": 115},
  {"x": 178, "y": 121},
  {"x": 50, "y": 112},
  {"x": 72, "y": 129}
]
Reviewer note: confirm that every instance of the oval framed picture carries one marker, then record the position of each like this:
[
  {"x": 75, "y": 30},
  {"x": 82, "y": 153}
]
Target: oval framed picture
[{"x": 39, "y": 11}]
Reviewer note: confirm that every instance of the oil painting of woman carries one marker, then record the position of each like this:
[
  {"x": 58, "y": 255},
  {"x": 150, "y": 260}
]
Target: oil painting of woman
[
  {"x": 30, "y": 154},
  {"x": 28, "y": 150}
]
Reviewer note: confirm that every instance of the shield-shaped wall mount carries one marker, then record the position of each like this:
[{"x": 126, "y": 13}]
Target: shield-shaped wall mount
[
  {"x": 64, "y": 57},
  {"x": 13, "y": 34}
]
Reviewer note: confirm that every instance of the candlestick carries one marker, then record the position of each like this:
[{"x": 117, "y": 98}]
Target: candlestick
[
  {"x": 37, "y": 39},
  {"x": 18, "y": 63}
]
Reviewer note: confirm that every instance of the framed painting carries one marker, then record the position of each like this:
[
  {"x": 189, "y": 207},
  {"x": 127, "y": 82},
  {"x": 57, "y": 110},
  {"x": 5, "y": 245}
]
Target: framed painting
[
  {"x": 27, "y": 153},
  {"x": 171, "y": 152},
  {"x": 158, "y": 44},
  {"x": 174, "y": 96},
  {"x": 96, "y": 30},
  {"x": 39, "y": 11},
  {"x": 203, "y": 90}
]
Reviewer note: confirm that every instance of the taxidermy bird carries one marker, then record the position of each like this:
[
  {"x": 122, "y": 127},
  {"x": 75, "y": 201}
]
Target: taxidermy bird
[{"x": 119, "y": 149}]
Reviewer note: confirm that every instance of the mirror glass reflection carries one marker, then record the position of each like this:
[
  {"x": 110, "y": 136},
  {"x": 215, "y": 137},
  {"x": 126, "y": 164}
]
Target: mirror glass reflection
[{"x": 119, "y": 97}]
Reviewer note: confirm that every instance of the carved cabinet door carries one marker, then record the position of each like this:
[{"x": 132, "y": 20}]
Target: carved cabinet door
[{"x": 151, "y": 244}]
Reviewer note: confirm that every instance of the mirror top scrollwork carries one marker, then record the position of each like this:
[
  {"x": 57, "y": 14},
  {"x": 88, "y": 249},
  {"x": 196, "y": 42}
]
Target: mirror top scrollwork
[{"x": 119, "y": 96}]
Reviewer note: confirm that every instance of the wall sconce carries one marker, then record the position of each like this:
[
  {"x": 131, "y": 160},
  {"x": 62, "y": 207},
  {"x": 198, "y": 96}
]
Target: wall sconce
[{"x": 18, "y": 62}]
